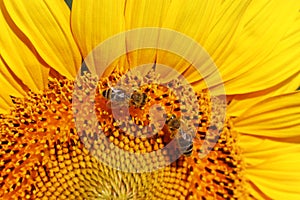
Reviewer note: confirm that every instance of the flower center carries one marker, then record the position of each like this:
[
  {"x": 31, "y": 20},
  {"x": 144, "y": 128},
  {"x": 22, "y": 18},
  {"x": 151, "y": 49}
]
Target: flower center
[{"x": 44, "y": 154}]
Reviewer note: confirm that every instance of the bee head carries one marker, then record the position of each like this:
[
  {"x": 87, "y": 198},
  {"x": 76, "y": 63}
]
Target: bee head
[{"x": 136, "y": 96}]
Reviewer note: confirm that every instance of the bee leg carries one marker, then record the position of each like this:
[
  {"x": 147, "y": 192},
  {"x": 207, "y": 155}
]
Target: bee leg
[
  {"x": 108, "y": 104},
  {"x": 145, "y": 99},
  {"x": 172, "y": 135}
]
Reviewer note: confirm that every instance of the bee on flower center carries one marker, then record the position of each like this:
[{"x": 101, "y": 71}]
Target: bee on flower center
[
  {"x": 114, "y": 94},
  {"x": 138, "y": 99},
  {"x": 184, "y": 139},
  {"x": 173, "y": 124},
  {"x": 185, "y": 143}
]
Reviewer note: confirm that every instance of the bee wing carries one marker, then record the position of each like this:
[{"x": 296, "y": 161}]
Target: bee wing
[{"x": 119, "y": 95}]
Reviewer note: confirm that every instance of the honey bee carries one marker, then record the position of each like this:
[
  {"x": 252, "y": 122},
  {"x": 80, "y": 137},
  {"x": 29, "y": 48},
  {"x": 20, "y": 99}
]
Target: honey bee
[
  {"x": 173, "y": 124},
  {"x": 138, "y": 99},
  {"x": 185, "y": 143},
  {"x": 114, "y": 94},
  {"x": 184, "y": 139},
  {"x": 117, "y": 99}
]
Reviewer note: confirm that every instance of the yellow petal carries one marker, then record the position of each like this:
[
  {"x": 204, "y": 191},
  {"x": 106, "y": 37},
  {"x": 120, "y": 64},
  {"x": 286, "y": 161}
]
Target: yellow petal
[
  {"x": 44, "y": 26},
  {"x": 11, "y": 86},
  {"x": 95, "y": 21},
  {"x": 256, "y": 150},
  {"x": 192, "y": 18},
  {"x": 212, "y": 24},
  {"x": 139, "y": 14},
  {"x": 20, "y": 58},
  {"x": 271, "y": 167},
  {"x": 240, "y": 103},
  {"x": 147, "y": 13},
  {"x": 277, "y": 117},
  {"x": 266, "y": 53}
]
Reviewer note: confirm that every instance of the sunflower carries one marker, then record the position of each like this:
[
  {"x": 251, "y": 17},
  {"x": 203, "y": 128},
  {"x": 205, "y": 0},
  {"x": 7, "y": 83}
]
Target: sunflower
[{"x": 45, "y": 155}]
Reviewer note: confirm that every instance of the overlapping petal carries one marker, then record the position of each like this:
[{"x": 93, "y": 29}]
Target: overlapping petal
[
  {"x": 277, "y": 117},
  {"x": 44, "y": 26},
  {"x": 95, "y": 21},
  {"x": 270, "y": 143},
  {"x": 10, "y": 87},
  {"x": 241, "y": 37},
  {"x": 141, "y": 14},
  {"x": 271, "y": 167},
  {"x": 260, "y": 50},
  {"x": 20, "y": 58},
  {"x": 240, "y": 103}
]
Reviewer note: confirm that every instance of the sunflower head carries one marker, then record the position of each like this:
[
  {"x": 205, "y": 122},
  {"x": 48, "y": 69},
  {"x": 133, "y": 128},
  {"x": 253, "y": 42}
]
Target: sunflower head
[{"x": 132, "y": 134}]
